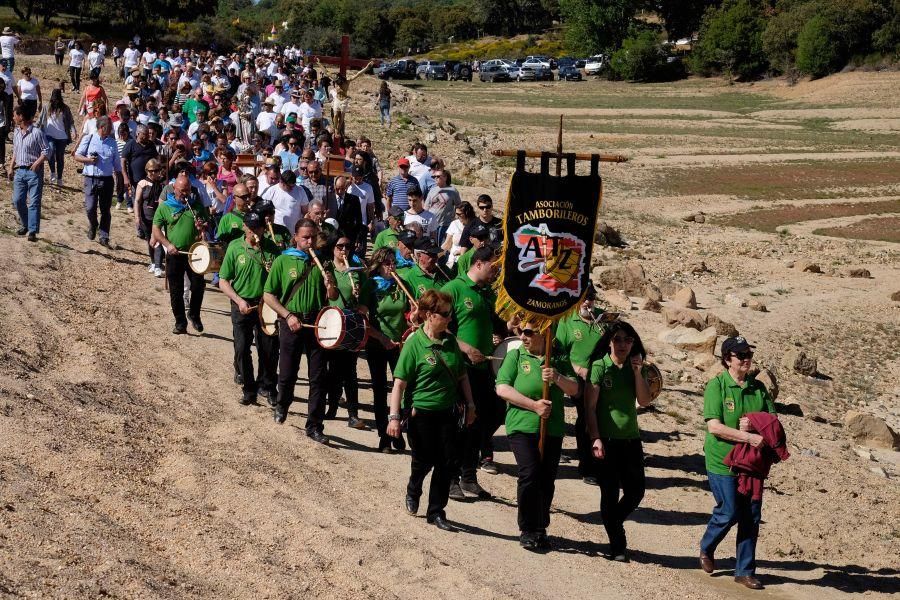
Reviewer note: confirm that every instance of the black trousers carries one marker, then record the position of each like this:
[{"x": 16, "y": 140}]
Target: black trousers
[
  {"x": 586, "y": 466},
  {"x": 621, "y": 469},
  {"x": 341, "y": 377},
  {"x": 176, "y": 267},
  {"x": 75, "y": 76},
  {"x": 477, "y": 441},
  {"x": 156, "y": 254},
  {"x": 244, "y": 329},
  {"x": 432, "y": 437},
  {"x": 291, "y": 347},
  {"x": 58, "y": 58},
  {"x": 537, "y": 478},
  {"x": 379, "y": 358}
]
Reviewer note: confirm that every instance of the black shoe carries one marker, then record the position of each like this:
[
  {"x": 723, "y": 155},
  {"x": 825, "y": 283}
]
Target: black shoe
[
  {"x": 441, "y": 523},
  {"x": 472, "y": 490},
  {"x": 247, "y": 399},
  {"x": 456, "y": 492},
  {"x": 590, "y": 480},
  {"x": 619, "y": 555},
  {"x": 317, "y": 436},
  {"x": 196, "y": 323},
  {"x": 412, "y": 505},
  {"x": 488, "y": 466},
  {"x": 384, "y": 445},
  {"x": 91, "y": 233},
  {"x": 238, "y": 379},
  {"x": 543, "y": 541},
  {"x": 529, "y": 540},
  {"x": 271, "y": 398},
  {"x": 104, "y": 242},
  {"x": 21, "y": 231},
  {"x": 179, "y": 329},
  {"x": 356, "y": 423},
  {"x": 280, "y": 414},
  {"x": 398, "y": 443},
  {"x": 32, "y": 236}
]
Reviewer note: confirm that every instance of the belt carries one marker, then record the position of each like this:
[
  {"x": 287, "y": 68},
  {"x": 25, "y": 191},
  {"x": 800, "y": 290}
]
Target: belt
[
  {"x": 22, "y": 167},
  {"x": 99, "y": 176}
]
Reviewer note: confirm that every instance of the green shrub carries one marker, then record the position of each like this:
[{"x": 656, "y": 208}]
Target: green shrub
[
  {"x": 641, "y": 58},
  {"x": 818, "y": 53},
  {"x": 730, "y": 40}
]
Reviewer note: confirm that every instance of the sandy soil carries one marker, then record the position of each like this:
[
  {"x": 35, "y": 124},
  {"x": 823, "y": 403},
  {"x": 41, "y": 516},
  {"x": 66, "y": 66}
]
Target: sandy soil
[{"x": 128, "y": 470}]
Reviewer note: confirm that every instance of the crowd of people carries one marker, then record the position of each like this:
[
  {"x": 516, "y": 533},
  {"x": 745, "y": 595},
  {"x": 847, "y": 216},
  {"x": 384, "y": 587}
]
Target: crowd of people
[{"x": 237, "y": 156}]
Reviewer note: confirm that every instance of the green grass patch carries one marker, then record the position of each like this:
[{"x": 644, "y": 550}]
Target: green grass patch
[
  {"x": 883, "y": 229},
  {"x": 771, "y": 218}
]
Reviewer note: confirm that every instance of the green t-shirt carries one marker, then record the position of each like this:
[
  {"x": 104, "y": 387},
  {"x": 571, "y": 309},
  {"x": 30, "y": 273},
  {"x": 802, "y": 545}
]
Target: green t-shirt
[
  {"x": 578, "y": 339},
  {"x": 388, "y": 238},
  {"x": 387, "y": 310},
  {"x": 522, "y": 370},
  {"x": 616, "y": 399},
  {"x": 310, "y": 298},
  {"x": 345, "y": 281},
  {"x": 192, "y": 106},
  {"x": 244, "y": 267},
  {"x": 420, "y": 282},
  {"x": 725, "y": 400},
  {"x": 231, "y": 227},
  {"x": 179, "y": 228},
  {"x": 473, "y": 314},
  {"x": 283, "y": 238},
  {"x": 430, "y": 385},
  {"x": 464, "y": 261}
]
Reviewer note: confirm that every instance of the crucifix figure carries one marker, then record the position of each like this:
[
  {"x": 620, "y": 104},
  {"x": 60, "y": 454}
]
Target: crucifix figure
[{"x": 340, "y": 97}]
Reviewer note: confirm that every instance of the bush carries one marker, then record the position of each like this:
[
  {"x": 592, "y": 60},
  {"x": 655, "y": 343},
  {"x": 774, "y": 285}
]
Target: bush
[
  {"x": 641, "y": 58},
  {"x": 817, "y": 48},
  {"x": 730, "y": 40}
]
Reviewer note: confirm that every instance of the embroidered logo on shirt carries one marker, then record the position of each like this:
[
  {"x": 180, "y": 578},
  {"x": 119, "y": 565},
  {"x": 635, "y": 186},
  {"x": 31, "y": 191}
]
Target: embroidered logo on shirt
[
  {"x": 607, "y": 382},
  {"x": 468, "y": 303},
  {"x": 729, "y": 405},
  {"x": 431, "y": 360},
  {"x": 421, "y": 288},
  {"x": 242, "y": 260},
  {"x": 577, "y": 335},
  {"x": 526, "y": 367}
]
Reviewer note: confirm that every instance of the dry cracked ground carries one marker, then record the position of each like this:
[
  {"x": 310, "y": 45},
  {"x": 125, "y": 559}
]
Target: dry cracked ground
[{"x": 128, "y": 470}]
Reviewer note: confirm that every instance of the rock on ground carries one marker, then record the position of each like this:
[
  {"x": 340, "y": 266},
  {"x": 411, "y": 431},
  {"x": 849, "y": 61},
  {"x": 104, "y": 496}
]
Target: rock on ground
[
  {"x": 630, "y": 278},
  {"x": 870, "y": 430},
  {"x": 796, "y": 360},
  {"x": 685, "y": 338},
  {"x": 675, "y": 315},
  {"x": 685, "y": 297}
]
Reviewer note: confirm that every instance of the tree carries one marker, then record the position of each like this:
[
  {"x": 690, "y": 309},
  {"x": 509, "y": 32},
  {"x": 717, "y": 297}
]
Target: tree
[
  {"x": 681, "y": 17},
  {"x": 641, "y": 58},
  {"x": 412, "y": 34},
  {"x": 817, "y": 54},
  {"x": 730, "y": 40},
  {"x": 373, "y": 34},
  {"x": 592, "y": 26},
  {"x": 454, "y": 21}
]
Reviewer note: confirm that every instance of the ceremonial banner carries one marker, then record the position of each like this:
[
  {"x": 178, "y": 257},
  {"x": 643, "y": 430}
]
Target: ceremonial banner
[{"x": 548, "y": 238}]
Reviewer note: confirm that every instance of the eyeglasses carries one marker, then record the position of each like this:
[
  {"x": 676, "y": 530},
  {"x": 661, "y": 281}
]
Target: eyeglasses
[
  {"x": 618, "y": 339},
  {"x": 528, "y": 332},
  {"x": 342, "y": 246},
  {"x": 313, "y": 172},
  {"x": 242, "y": 196},
  {"x": 485, "y": 207},
  {"x": 743, "y": 355},
  {"x": 153, "y": 170}
]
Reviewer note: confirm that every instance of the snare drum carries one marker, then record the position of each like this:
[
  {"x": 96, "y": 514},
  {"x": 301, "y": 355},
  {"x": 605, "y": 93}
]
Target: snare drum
[
  {"x": 206, "y": 257},
  {"x": 268, "y": 318},
  {"x": 502, "y": 349},
  {"x": 654, "y": 380},
  {"x": 341, "y": 329}
]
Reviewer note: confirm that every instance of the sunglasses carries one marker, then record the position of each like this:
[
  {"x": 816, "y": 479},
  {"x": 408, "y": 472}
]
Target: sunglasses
[
  {"x": 743, "y": 355},
  {"x": 528, "y": 332},
  {"x": 242, "y": 196},
  {"x": 153, "y": 170},
  {"x": 622, "y": 340},
  {"x": 342, "y": 246},
  {"x": 485, "y": 207}
]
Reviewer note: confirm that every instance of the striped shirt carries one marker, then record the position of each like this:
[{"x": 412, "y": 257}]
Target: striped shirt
[
  {"x": 28, "y": 146},
  {"x": 397, "y": 191}
]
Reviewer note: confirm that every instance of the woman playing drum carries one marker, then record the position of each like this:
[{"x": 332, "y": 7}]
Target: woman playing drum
[
  {"x": 520, "y": 381},
  {"x": 387, "y": 315},
  {"x": 618, "y": 379},
  {"x": 430, "y": 376}
]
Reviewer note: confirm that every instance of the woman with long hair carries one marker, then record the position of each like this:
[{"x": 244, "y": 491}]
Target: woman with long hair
[
  {"x": 58, "y": 125},
  {"x": 384, "y": 103},
  {"x": 617, "y": 385},
  {"x": 465, "y": 214}
]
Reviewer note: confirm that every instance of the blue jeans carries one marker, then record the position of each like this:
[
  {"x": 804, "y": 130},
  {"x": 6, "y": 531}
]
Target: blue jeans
[
  {"x": 28, "y": 185},
  {"x": 385, "y": 110},
  {"x": 732, "y": 508}
]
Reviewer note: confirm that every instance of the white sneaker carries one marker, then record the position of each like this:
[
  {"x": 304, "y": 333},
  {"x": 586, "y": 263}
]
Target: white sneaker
[
  {"x": 130, "y": 210},
  {"x": 120, "y": 205},
  {"x": 53, "y": 180},
  {"x": 151, "y": 268},
  {"x": 157, "y": 272}
]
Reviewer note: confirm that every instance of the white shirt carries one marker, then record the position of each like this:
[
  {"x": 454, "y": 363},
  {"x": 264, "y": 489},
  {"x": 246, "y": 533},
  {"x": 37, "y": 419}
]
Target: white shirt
[
  {"x": 289, "y": 107},
  {"x": 5, "y": 76},
  {"x": 76, "y": 58},
  {"x": 56, "y": 126},
  {"x": 95, "y": 59},
  {"x": 423, "y": 217},
  {"x": 454, "y": 232},
  {"x": 89, "y": 127},
  {"x": 27, "y": 89},
  {"x": 277, "y": 100},
  {"x": 265, "y": 121},
  {"x": 148, "y": 58},
  {"x": 417, "y": 169},
  {"x": 288, "y": 205},
  {"x": 8, "y": 45},
  {"x": 102, "y": 49},
  {"x": 309, "y": 112},
  {"x": 366, "y": 198},
  {"x": 131, "y": 57}
]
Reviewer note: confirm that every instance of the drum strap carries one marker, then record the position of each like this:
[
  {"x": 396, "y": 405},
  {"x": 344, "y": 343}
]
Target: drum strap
[
  {"x": 297, "y": 285},
  {"x": 460, "y": 405}
]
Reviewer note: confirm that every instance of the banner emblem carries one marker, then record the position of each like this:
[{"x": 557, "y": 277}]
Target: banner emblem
[{"x": 556, "y": 256}]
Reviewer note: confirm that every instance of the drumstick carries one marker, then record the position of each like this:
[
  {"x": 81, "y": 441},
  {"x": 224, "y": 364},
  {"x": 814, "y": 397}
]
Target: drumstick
[
  {"x": 405, "y": 291},
  {"x": 271, "y": 230}
]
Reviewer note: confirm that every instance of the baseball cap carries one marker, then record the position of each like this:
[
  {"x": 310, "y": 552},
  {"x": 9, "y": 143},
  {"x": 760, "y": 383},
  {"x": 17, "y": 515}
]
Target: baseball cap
[
  {"x": 264, "y": 207},
  {"x": 735, "y": 344},
  {"x": 407, "y": 237},
  {"x": 291, "y": 118},
  {"x": 253, "y": 220},
  {"x": 427, "y": 245},
  {"x": 403, "y": 162},
  {"x": 396, "y": 211},
  {"x": 480, "y": 231}
]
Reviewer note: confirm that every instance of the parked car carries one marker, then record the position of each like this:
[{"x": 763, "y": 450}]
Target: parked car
[
  {"x": 458, "y": 71},
  {"x": 494, "y": 73},
  {"x": 426, "y": 68},
  {"x": 522, "y": 73},
  {"x": 565, "y": 61},
  {"x": 537, "y": 61},
  {"x": 543, "y": 74},
  {"x": 402, "y": 69},
  {"x": 569, "y": 73},
  {"x": 579, "y": 63},
  {"x": 596, "y": 64},
  {"x": 494, "y": 62}
]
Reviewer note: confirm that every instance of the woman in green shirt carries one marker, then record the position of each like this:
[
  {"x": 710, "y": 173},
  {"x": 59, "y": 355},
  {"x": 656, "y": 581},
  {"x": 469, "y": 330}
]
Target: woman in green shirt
[
  {"x": 617, "y": 380},
  {"x": 520, "y": 381},
  {"x": 430, "y": 377},
  {"x": 387, "y": 316},
  {"x": 728, "y": 397}
]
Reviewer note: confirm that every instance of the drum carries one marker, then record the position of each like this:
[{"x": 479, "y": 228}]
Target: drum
[
  {"x": 502, "y": 349},
  {"x": 341, "y": 329},
  {"x": 654, "y": 380},
  {"x": 206, "y": 257},
  {"x": 268, "y": 318}
]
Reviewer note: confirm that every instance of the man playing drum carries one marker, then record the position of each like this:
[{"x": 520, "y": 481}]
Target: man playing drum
[
  {"x": 242, "y": 277},
  {"x": 297, "y": 290},
  {"x": 178, "y": 223}
]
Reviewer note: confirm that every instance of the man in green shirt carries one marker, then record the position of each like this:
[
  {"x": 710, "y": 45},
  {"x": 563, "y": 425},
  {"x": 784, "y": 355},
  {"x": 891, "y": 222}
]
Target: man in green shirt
[
  {"x": 242, "y": 277},
  {"x": 231, "y": 225},
  {"x": 426, "y": 274},
  {"x": 388, "y": 237},
  {"x": 279, "y": 234},
  {"x": 474, "y": 323},
  {"x": 403, "y": 253},
  {"x": 297, "y": 290},
  {"x": 177, "y": 224}
]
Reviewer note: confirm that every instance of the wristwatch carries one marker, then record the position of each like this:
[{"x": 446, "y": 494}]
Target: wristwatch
[{"x": 396, "y": 417}]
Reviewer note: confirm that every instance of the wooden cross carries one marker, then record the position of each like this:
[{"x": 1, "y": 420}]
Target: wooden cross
[{"x": 343, "y": 61}]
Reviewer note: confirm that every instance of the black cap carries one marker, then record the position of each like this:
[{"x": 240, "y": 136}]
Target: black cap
[
  {"x": 253, "y": 220},
  {"x": 407, "y": 237},
  {"x": 395, "y": 211},
  {"x": 264, "y": 207},
  {"x": 480, "y": 231},
  {"x": 735, "y": 344},
  {"x": 427, "y": 245}
]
